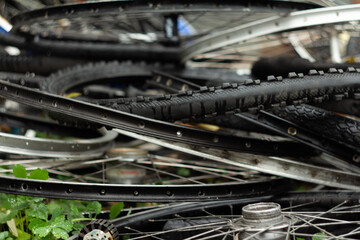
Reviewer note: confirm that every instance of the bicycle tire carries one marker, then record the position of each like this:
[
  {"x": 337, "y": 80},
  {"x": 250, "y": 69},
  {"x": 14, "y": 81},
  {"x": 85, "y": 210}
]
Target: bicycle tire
[
  {"x": 63, "y": 80},
  {"x": 328, "y": 124},
  {"x": 281, "y": 66},
  {"x": 347, "y": 106},
  {"x": 100, "y": 50},
  {"x": 230, "y": 98},
  {"x": 94, "y": 51},
  {"x": 28, "y": 79},
  {"x": 38, "y": 64},
  {"x": 322, "y": 122}
]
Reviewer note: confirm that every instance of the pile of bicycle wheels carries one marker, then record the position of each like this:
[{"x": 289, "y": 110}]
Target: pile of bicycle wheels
[{"x": 227, "y": 120}]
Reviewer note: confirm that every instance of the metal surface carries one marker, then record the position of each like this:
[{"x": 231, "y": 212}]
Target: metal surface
[
  {"x": 155, "y": 6},
  {"x": 97, "y": 234},
  {"x": 309, "y": 215},
  {"x": 140, "y": 193},
  {"x": 262, "y": 221},
  {"x": 39, "y": 124},
  {"x": 98, "y": 229},
  {"x": 272, "y": 165},
  {"x": 131, "y": 124},
  {"x": 171, "y": 83},
  {"x": 103, "y": 25},
  {"x": 335, "y": 47},
  {"x": 299, "y": 48},
  {"x": 269, "y": 25},
  {"x": 84, "y": 148},
  {"x": 146, "y": 126},
  {"x": 126, "y": 174},
  {"x": 345, "y": 153}
]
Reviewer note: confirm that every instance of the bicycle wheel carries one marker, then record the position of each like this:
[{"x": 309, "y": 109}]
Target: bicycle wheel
[
  {"x": 170, "y": 23},
  {"x": 134, "y": 176},
  {"x": 305, "y": 215}
]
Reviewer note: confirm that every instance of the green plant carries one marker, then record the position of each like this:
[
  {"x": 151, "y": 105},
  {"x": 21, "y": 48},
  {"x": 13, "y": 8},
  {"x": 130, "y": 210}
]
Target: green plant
[
  {"x": 320, "y": 236},
  {"x": 316, "y": 236},
  {"x": 26, "y": 218},
  {"x": 5, "y": 236},
  {"x": 116, "y": 209}
]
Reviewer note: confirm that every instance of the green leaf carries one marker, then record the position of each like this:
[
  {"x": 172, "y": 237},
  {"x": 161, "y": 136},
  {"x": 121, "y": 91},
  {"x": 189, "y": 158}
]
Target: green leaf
[
  {"x": 4, "y": 217},
  {"x": 42, "y": 231},
  {"x": 300, "y": 238},
  {"x": 158, "y": 182},
  {"x": 56, "y": 212},
  {"x": 40, "y": 174},
  {"x": 67, "y": 226},
  {"x": 37, "y": 210},
  {"x": 4, "y": 235},
  {"x": 47, "y": 237},
  {"x": 60, "y": 222},
  {"x": 37, "y": 223},
  {"x": 23, "y": 235},
  {"x": 94, "y": 207},
  {"x": 17, "y": 202},
  {"x": 3, "y": 198},
  {"x": 75, "y": 232},
  {"x": 80, "y": 205},
  {"x": 60, "y": 233},
  {"x": 10, "y": 202},
  {"x": 19, "y": 171},
  {"x": 53, "y": 206},
  {"x": 116, "y": 209},
  {"x": 36, "y": 199},
  {"x": 74, "y": 212},
  {"x": 78, "y": 226},
  {"x": 185, "y": 172},
  {"x": 319, "y": 236}
]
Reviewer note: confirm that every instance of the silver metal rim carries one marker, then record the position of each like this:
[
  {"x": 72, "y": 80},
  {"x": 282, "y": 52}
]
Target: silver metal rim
[
  {"x": 271, "y": 25},
  {"x": 271, "y": 165},
  {"x": 83, "y": 148}
]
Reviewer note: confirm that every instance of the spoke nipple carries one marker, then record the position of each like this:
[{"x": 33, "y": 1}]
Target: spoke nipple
[
  {"x": 292, "y": 131},
  {"x": 185, "y": 87},
  {"x": 356, "y": 158},
  {"x": 141, "y": 124},
  {"x": 169, "y": 82}
]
